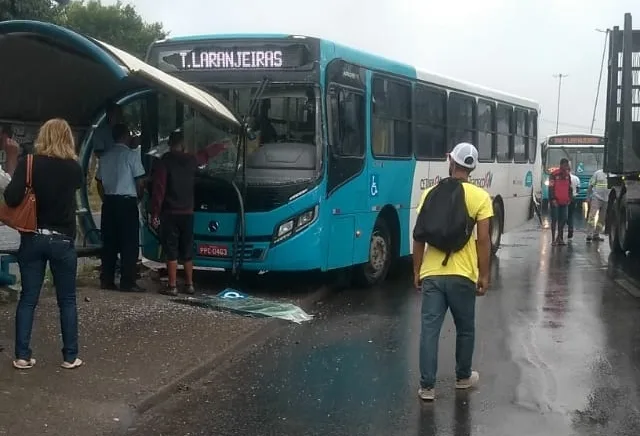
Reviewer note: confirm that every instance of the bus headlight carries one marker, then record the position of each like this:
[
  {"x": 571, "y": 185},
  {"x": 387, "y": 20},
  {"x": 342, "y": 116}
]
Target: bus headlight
[
  {"x": 285, "y": 228},
  {"x": 293, "y": 225}
]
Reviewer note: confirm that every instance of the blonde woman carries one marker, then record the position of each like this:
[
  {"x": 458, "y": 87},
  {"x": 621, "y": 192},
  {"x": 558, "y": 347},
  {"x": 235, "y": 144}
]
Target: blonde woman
[{"x": 56, "y": 177}]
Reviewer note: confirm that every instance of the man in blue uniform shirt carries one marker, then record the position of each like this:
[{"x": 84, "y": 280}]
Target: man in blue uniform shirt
[{"x": 120, "y": 182}]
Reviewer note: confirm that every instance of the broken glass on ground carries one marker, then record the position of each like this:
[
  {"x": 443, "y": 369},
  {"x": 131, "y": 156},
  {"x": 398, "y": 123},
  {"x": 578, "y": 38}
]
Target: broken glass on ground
[{"x": 234, "y": 301}]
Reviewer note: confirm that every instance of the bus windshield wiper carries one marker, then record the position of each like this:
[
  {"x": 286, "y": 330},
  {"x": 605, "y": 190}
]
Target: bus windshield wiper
[{"x": 253, "y": 104}]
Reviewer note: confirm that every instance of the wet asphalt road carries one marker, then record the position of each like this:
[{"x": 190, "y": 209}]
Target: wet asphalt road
[{"x": 557, "y": 348}]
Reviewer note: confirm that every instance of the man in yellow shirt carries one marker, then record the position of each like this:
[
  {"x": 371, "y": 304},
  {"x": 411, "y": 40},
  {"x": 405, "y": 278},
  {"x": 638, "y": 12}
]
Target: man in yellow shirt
[{"x": 455, "y": 284}]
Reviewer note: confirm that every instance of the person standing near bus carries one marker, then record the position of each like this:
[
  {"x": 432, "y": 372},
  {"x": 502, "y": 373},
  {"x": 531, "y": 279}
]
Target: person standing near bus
[
  {"x": 559, "y": 199},
  {"x": 120, "y": 182},
  {"x": 453, "y": 280},
  {"x": 11, "y": 149},
  {"x": 172, "y": 203},
  {"x": 575, "y": 187},
  {"x": 599, "y": 197}
]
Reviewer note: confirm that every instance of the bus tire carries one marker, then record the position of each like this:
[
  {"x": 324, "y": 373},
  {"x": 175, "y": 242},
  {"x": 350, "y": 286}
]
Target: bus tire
[
  {"x": 627, "y": 226},
  {"x": 614, "y": 238},
  {"x": 375, "y": 270},
  {"x": 532, "y": 210},
  {"x": 496, "y": 226}
]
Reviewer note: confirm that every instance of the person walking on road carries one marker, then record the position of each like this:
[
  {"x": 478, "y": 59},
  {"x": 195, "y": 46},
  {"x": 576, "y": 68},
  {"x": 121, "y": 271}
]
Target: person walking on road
[
  {"x": 56, "y": 175},
  {"x": 453, "y": 278},
  {"x": 172, "y": 206},
  {"x": 120, "y": 183},
  {"x": 575, "y": 188},
  {"x": 559, "y": 199},
  {"x": 599, "y": 196}
]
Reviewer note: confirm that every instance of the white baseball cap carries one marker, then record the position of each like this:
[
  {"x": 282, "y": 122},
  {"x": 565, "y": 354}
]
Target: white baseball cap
[{"x": 465, "y": 155}]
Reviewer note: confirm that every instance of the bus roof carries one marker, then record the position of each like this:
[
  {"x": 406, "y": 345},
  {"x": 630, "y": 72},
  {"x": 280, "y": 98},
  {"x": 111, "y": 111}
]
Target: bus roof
[{"x": 374, "y": 62}]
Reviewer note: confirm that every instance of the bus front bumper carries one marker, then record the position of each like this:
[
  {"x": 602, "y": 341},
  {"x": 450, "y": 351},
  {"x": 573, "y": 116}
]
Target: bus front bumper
[{"x": 301, "y": 252}]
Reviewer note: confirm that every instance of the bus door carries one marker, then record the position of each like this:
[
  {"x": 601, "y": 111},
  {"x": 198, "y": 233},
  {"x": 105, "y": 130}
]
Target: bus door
[{"x": 346, "y": 169}]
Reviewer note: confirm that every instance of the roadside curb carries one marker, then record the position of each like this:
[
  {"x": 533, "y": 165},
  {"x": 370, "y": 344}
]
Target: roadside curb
[{"x": 196, "y": 373}]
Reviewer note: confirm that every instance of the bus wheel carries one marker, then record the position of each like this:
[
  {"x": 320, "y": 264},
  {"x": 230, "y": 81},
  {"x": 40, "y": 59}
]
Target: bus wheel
[
  {"x": 495, "y": 226},
  {"x": 626, "y": 226},
  {"x": 614, "y": 224},
  {"x": 377, "y": 267}
]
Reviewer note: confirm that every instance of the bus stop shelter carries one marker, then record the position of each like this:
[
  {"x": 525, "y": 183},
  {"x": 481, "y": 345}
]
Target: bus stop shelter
[{"x": 52, "y": 72}]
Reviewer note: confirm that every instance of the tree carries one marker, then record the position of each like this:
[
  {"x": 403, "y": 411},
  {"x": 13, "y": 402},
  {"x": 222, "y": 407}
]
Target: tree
[
  {"x": 42, "y": 10},
  {"x": 118, "y": 24}
]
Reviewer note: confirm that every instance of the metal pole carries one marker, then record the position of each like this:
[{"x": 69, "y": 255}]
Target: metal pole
[
  {"x": 560, "y": 76},
  {"x": 604, "y": 52}
]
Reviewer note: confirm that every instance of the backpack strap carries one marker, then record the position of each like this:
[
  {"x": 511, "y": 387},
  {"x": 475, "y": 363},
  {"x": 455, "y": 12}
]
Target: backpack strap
[{"x": 446, "y": 258}]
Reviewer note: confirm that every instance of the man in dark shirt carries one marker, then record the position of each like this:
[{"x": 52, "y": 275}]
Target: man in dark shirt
[{"x": 172, "y": 206}]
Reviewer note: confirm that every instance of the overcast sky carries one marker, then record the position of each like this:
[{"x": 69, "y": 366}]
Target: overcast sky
[{"x": 515, "y": 46}]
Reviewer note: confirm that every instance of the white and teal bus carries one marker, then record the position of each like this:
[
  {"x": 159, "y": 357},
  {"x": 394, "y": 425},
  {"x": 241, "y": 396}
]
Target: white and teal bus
[
  {"x": 345, "y": 144},
  {"x": 585, "y": 153}
]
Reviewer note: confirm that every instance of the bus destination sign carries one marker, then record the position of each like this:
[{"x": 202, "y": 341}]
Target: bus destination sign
[
  {"x": 265, "y": 57},
  {"x": 576, "y": 140}
]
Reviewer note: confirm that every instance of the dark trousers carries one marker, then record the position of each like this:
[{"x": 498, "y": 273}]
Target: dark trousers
[
  {"x": 34, "y": 253},
  {"x": 570, "y": 217},
  {"x": 120, "y": 228},
  {"x": 558, "y": 220}
]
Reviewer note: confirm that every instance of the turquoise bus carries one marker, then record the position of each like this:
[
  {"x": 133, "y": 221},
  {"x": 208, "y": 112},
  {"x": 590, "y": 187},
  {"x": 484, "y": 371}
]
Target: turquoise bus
[
  {"x": 585, "y": 153},
  {"x": 343, "y": 143}
]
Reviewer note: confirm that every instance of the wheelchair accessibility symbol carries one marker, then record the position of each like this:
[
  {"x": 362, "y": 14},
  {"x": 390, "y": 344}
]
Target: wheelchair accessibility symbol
[
  {"x": 231, "y": 294},
  {"x": 373, "y": 186}
]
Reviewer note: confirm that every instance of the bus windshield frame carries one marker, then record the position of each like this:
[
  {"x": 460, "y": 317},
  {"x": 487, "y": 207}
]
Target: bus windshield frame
[
  {"x": 290, "y": 67},
  {"x": 589, "y": 158}
]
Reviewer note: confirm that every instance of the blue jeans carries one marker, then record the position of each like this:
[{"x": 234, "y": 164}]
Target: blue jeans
[
  {"x": 440, "y": 293},
  {"x": 34, "y": 253}
]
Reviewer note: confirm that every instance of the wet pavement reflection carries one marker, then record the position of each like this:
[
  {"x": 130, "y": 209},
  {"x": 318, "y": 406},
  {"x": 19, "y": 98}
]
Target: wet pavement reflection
[{"x": 558, "y": 351}]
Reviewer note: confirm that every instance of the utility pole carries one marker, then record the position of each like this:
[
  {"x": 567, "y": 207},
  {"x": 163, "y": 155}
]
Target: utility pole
[
  {"x": 559, "y": 76},
  {"x": 604, "y": 52}
]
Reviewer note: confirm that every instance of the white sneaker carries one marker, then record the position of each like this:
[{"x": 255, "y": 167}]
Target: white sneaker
[
  {"x": 427, "y": 394},
  {"x": 470, "y": 382}
]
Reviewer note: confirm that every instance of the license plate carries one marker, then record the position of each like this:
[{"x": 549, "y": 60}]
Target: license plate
[{"x": 212, "y": 250}]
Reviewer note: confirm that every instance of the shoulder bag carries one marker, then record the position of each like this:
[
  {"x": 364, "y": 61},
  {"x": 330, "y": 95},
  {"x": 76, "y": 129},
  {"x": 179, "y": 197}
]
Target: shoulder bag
[{"x": 22, "y": 217}]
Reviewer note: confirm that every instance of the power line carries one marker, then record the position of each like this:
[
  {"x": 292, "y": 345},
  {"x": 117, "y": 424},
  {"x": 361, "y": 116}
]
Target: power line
[
  {"x": 579, "y": 126},
  {"x": 560, "y": 76},
  {"x": 604, "y": 52}
]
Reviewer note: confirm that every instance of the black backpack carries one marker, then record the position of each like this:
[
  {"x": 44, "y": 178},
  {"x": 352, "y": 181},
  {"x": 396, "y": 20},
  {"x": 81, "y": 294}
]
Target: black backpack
[{"x": 444, "y": 221}]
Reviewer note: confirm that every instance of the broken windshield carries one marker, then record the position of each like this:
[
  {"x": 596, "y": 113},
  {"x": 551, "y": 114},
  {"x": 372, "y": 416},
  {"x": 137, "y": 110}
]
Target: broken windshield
[{"x": 285, "y": 124}]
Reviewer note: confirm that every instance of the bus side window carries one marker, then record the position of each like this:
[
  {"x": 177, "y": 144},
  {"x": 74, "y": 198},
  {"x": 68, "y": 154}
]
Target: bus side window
[{"x": 346, "y": 122}]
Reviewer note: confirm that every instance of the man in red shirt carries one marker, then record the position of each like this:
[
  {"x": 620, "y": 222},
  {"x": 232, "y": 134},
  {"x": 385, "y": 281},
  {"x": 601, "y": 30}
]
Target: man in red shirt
[{"x": 559, "y": 199}]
